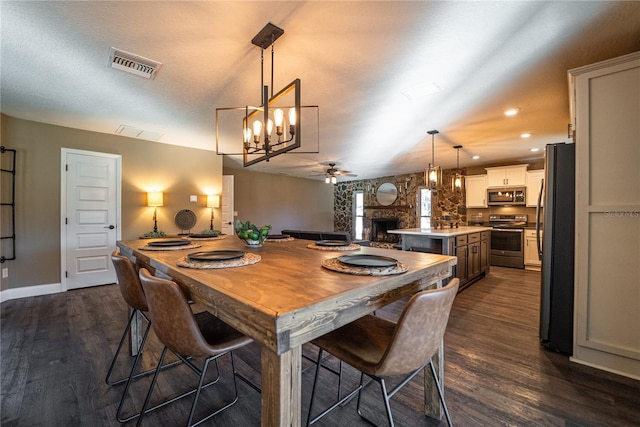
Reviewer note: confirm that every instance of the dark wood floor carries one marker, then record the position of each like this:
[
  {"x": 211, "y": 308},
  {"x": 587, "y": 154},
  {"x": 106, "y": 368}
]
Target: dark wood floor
[{"x": 55, "y": 351}]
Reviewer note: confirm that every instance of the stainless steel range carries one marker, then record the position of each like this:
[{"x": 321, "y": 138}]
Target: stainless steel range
[{"x": 507, "y": 240}]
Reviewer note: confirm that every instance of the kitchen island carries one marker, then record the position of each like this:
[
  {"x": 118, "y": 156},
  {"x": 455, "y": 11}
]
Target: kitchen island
[{"x": 472, "y": 246}]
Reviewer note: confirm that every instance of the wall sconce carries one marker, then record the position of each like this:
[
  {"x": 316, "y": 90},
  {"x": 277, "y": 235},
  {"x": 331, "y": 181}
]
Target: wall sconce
[
  {"x": 213, "y": 201},
  {"x": 434, "y": 173},
  {"x": 155, "y": 199}
]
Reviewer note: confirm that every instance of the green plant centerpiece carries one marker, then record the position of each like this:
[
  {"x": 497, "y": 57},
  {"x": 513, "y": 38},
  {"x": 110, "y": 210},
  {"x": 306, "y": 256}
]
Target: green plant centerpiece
[
  {"x": 251, "y": 234},
  {"x": 154, "y": 234},
  {"x": 212, "y": 233}
]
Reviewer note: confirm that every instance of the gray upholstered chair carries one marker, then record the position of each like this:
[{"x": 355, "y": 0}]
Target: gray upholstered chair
[
  {"x": 380, "y": 348},
  {"x": 188, "y": 335}
]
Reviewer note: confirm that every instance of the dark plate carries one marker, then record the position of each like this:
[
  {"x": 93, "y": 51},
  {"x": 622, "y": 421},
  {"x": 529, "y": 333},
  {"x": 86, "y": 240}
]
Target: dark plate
[
  {"x": 278, "y": 236},
  {"x": 203, "y": 236},
  {"x": 332, "y": 243},
  {"x": 220, "y": 255},
  {"x": 160, "y": 243},
  {"x": 364, "y": 260}
]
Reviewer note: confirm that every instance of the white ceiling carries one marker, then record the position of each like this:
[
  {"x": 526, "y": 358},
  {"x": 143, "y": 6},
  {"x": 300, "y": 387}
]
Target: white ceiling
[{"x": 355, "y": 61}]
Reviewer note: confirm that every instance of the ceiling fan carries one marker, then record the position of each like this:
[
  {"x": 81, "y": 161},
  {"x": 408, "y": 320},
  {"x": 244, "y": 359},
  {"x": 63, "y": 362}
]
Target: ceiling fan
[{"x": 332, "y": 173}]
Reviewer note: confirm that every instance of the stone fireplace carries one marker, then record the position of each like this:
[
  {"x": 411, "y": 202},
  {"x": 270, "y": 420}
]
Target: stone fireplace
[{"x": 379, "y": 227}]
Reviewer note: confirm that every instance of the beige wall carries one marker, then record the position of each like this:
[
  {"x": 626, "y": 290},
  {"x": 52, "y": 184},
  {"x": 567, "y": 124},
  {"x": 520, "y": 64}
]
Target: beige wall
[
  {"x": 146, "y": 165},
  {"x": 282, "y": 201}
]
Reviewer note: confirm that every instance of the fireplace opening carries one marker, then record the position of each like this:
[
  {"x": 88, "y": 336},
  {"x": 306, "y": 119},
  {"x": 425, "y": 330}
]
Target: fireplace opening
[{"x": 379, "y": 228}]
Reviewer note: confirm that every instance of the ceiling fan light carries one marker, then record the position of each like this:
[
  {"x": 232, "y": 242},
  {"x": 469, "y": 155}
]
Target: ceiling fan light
[
  {"x": 334, "y": 180},
  {"x": 327, "y": 180}
]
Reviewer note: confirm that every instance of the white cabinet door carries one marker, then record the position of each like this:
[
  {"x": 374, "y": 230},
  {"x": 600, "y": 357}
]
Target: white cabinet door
[
  {"x": 476, "y": 191},
  {"x": 534, "y": 181},
  {"x": 531, "y": 259},
  {"x": 608, "y": 215},
  {"x": 516, "y": 176},
  {"x": 507, "y": 176}
]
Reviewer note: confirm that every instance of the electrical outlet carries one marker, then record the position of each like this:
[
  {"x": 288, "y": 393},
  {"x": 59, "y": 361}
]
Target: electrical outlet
[{"x": 5, "y": 272}]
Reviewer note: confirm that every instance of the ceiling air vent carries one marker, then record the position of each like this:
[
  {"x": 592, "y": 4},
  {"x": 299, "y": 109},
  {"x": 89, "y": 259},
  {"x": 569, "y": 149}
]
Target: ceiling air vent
[{"x": 132, "y": 63}]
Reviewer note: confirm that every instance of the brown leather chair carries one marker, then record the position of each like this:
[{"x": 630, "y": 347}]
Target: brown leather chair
[
  {"x": 132, "y": 293},
  {"x": 188, "y": 335},
  {"x": 380, "y": 348}
]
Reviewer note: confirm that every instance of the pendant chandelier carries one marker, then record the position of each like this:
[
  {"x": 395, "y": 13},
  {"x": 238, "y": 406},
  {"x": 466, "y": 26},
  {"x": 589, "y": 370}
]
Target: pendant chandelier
[
  {"x": 258, "y": 137},
  {"x": 433, "y": 176},
  {"x": 457, "y": 178},
  {"x": 273, "y": 127}
]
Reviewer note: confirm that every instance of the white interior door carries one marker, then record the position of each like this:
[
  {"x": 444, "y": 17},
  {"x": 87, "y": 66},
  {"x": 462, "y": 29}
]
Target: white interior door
[
  {"x": 226, "y": 206},
  {"x": 90, "y": 217}
]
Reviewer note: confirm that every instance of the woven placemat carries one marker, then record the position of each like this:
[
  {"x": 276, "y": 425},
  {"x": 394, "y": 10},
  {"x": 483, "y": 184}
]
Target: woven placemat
[
  {"x": 171, "y": 248},
  {"x": 247, "y": 259},
  {"x": 334, "y": 265},
  {"x": 218, "y": 237},
  {"x": 288, "y": 239},
  {"x": 349, "y": 247}
]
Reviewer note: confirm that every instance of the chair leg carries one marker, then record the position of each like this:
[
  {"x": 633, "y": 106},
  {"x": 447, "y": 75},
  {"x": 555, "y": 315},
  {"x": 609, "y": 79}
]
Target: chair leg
[
  {"x": 153, "y": 383},
  {"x": 440, "y": 393},
  {"x": 385, "y": 396},
  {"x": 125, "y": 333},
  {"x": 226, "y": 405},
  {"x": 119, "y": 416},
  {"x": 339, "y": 402},
  {"x": 181, "y": 359}
]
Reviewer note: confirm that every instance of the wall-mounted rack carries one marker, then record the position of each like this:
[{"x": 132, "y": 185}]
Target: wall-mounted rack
[{"x": 11, "y": 204}]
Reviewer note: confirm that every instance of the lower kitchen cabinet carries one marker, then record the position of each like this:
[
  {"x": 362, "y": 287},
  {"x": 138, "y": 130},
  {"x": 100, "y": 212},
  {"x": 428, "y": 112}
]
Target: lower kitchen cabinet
[
  {"x": 531, "y": 259},
  {"x": 472, "y": 251}
]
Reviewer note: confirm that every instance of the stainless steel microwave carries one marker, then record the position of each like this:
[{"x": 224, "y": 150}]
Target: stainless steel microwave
[{"x": 506, "y": 196}]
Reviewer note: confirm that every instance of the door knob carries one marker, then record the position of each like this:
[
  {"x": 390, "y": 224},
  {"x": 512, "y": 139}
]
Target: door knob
[{"x": 111, "y": 227}]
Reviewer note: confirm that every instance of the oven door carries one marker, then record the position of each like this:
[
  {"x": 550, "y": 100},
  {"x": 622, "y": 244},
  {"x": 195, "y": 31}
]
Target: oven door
[{"x": 507, "y": 247}]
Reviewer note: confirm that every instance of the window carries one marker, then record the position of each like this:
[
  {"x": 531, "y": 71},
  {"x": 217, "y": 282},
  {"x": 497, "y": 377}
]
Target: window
[
  {"x": 425, "y": 208},
  {"x": 359, "y": 215}
]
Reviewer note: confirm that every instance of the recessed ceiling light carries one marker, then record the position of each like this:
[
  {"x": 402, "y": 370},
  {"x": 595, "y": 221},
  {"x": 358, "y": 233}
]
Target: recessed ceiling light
[
  {"x": 511, "y": 112},
  {"x": 535, "y": 149},
  {"x": 525, "y": 135},
  {"x": 475, "y": 157}
]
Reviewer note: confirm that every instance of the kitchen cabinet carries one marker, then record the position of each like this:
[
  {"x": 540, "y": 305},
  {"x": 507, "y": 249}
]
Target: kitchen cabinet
[
  {"x": 534, "y": 180},
  {"x": 607, "y": 272},
  {"x": 471, "y": 245},
  {"x": 476, "y": 191},
  {"x": 507, "y": 176},
  {"x": 472, "y": 251},
  {"x": 531, "y": 259}
]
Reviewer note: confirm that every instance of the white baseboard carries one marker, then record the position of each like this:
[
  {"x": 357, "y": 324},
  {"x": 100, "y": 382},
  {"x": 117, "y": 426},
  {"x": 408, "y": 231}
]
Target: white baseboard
[{"x": 30, "y": 291}]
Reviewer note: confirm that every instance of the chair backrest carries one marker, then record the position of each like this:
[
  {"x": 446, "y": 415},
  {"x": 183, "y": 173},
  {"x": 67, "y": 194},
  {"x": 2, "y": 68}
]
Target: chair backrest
[
  {"x": 128, "y": 281},
  {"x": 171, "y": 317},
  {"x": 419, "y": 331}
]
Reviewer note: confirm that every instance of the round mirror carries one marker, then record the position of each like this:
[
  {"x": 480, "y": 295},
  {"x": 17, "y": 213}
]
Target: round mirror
[{"x": 386, "y": 194}]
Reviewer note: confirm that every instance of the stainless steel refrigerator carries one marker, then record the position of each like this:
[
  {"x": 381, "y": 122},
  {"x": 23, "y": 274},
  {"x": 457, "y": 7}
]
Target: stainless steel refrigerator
[{"x": 556, "y": 248}]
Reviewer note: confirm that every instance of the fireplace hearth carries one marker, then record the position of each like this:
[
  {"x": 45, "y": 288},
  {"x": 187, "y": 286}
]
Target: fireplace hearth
[{"x": 379, "y": 228}]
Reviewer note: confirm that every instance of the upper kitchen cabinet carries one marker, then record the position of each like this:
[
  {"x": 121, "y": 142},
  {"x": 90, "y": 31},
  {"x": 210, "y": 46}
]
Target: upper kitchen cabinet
[
  {"x": 507, "y": 176},
  {"x": 534, "y": 182},
  {"x": 476, "y": 191},
  {"x": 606, "y": 104}
]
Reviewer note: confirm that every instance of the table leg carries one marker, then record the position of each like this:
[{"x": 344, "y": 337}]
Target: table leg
[
  {"x": 281, "y": 388},
  {"x": 432, "y": 406}
]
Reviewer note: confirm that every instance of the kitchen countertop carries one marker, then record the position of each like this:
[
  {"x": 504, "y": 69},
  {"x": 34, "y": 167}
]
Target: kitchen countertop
[{"x": 441, "y": 232}]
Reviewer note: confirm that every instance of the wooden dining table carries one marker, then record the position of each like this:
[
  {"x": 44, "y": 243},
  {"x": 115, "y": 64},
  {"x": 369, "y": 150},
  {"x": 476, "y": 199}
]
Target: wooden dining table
[{"x": 288, "y": 298}]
